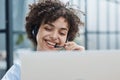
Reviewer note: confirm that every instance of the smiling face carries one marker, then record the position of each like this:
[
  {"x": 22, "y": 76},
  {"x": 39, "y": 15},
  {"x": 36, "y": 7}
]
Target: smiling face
[{"x": 52, "y": 33}]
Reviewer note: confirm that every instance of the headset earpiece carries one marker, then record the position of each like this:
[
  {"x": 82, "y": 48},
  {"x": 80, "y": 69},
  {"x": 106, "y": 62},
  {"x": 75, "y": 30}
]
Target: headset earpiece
[{"x": 35, "y": 31}]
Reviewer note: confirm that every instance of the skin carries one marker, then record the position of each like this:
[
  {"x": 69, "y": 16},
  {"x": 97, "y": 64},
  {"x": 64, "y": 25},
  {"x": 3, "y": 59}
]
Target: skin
[{"x": 55, "y": 33}]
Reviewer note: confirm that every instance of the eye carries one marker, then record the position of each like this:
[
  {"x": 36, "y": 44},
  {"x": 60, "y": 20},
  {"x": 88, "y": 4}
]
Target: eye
[
  {"x": 63, "y": 33},
  {"x": 47, "y": 28}
]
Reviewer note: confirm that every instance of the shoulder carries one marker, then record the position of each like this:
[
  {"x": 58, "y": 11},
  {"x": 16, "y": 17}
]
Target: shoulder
[{"x": 14, "y": 72}]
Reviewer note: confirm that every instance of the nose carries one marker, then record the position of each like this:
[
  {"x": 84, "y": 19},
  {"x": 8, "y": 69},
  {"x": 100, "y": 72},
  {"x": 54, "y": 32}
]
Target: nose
[{"x": 54, "y": 35}]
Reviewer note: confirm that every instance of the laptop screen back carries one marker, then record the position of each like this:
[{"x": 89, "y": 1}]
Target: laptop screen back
[{"x": 71, "y": 65}]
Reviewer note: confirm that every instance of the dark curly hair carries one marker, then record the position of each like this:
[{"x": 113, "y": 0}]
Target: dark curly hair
[{"x": 49, "y": 11}]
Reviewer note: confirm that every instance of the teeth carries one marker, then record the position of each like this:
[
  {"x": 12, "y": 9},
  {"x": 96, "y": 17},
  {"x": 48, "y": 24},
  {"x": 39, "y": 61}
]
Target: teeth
[{"x": 51, "y": 43}]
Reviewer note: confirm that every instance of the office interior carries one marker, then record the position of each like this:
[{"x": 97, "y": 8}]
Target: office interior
[{"x": 100, "y": 32}]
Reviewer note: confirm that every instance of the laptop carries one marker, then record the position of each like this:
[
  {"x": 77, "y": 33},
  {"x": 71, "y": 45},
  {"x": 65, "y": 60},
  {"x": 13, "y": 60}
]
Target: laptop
[{"x": 71, "y": 65}]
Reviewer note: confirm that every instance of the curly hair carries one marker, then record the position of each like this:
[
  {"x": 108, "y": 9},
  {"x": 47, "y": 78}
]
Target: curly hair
[{"x": 50, "y": 11}]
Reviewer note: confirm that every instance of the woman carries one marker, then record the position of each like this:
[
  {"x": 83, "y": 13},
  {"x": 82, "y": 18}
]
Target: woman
[{"x": 50, "y": 25}]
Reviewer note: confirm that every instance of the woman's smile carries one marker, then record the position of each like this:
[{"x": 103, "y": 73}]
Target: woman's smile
[{"x": 50, "y": 44}]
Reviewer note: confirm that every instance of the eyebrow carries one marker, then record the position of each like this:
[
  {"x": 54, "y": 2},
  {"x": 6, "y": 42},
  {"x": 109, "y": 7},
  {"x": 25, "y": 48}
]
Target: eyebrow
[{"x": 54, "y": 26}]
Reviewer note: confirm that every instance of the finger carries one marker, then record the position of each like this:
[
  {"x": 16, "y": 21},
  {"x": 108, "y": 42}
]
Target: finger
[
  {"x": 70, "y": 46},
  {"x": 73, "y": 46},
  {"x": 81, "y": 48}
]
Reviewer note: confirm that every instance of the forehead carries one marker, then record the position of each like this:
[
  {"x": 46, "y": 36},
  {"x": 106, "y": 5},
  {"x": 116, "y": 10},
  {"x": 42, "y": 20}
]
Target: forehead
[{"x": 59, "y": 23}]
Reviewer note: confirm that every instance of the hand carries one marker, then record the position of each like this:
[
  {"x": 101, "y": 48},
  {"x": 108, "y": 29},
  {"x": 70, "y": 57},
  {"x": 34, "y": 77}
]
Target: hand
[{"x": 73, "y": 46}]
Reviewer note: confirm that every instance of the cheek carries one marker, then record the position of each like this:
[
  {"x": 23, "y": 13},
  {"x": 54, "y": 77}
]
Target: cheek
[
  {"x": 63, "y": 39},
  {"x": 38, "y": 37},
  {"x": 41, "y": 34}
]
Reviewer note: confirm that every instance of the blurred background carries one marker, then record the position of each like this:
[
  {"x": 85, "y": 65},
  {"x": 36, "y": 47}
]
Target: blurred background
[{"x": 100, "y": 32}]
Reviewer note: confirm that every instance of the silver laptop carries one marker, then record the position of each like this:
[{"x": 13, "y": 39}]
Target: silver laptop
[{"x": 71, "y": 65}]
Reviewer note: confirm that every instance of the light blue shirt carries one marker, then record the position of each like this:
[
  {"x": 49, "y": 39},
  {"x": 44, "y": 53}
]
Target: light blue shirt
[{"x": 14, "y": 73}]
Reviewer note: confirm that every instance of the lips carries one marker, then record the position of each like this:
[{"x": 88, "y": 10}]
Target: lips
[{"x": 50, "y": 44}]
